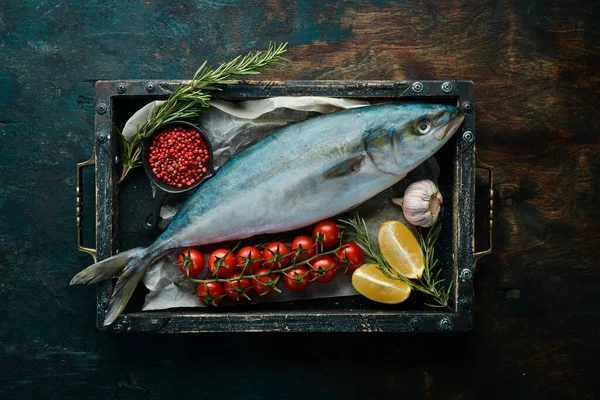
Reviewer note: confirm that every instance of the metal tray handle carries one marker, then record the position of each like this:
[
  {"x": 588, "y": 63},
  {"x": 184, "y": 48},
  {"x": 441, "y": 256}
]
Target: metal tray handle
[
  {"x": 79, "y": 212},
  {"x": 490, "y": 170}
]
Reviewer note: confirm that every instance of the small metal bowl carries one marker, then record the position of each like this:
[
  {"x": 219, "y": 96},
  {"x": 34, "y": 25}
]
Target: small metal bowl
[{"x": 163, "y": 190}]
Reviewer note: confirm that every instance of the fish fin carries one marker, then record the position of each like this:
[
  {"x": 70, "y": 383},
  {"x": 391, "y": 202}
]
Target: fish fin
[
  {"x": 126, "y": 285},
  {"x": 130, "y": 266},
  {"x": 104, "y": 269},
  {"x": 345, "y": 168}
]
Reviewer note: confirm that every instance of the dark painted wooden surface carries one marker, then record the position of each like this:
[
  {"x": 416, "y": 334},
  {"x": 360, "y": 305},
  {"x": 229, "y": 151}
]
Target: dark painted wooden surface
[{"x": 535, "y": 65}]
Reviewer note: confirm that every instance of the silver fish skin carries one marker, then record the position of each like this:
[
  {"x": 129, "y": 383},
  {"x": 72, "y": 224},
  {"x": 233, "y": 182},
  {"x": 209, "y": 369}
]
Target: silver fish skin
[{"x": 298, "y": 175}]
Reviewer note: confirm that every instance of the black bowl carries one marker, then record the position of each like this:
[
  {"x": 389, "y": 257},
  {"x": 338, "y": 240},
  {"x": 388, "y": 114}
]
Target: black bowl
[{"x": 163, "y": 189}]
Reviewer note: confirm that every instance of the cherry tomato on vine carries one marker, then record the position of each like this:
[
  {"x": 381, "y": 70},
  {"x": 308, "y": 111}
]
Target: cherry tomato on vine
[
  {"x": 351, "y": 257},
  {"x": 326, "y": 267},
  {"x": 221, "y": 263},
  {"x": 329, "y": 233},
  {"x": 248, "y": 259},
  {"x": 296, "y": 279},
  {"x": 263, "y": 285},
  {"x": 210, "y": 293},
  {"x": 304, "y": 247},
  {"x": 238, "y": 288},
  {"x": 191, "y": 259},
  {"x": 276, "y": 255}
]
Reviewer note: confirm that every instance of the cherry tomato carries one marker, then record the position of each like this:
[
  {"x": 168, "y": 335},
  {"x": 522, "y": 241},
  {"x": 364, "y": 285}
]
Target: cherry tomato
[
  {"x": 296, "y": 279},
  {"x": 191, "y": 259},
  {"x": 276, "y": 255},
  {"x": 210, "y": 293},
  {"x": 304, "y": 247},
  {"x": 221, "y": 263},
  {"x": 351, "y": 257},
  {"x": 326, "y": 267},
  {"x": 239, "y": 288},
  {"x": 328, "y": 232},
  {"x": 263, "y": 285},
  {"x": 248, "y": 259}
]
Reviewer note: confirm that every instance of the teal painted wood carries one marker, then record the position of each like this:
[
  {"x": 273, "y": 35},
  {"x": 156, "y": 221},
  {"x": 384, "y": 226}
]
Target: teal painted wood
[{"x": 536, "y": 315}]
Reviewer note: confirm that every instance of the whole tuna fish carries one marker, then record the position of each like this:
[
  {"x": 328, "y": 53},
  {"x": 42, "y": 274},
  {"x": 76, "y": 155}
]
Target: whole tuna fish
[{"x": 298, "y": 175}]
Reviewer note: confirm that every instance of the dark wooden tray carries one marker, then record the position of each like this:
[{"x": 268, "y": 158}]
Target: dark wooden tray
[{"x": 116, "y": 101}]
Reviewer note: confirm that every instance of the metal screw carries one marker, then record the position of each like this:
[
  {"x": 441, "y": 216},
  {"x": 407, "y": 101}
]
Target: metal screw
[
  {"x": 414, "y": 324},
  {"x": 101, "y": 108},
  {"x": 101, "y": 138},
  {"x": 445, "y": 324},
  {"x": 417, "y": 87},
  {"x": 468, "y": 107},
  {"x": 121, "y": 88},
  {"x": 447, "y": 87},
  {"x": 124, "y": 324},
  {"x": 464, "y": 303},
  {"x": 466, "y": 275},
  {"x": 150, "y": 87},
  {"x": 468, "y": 136}
]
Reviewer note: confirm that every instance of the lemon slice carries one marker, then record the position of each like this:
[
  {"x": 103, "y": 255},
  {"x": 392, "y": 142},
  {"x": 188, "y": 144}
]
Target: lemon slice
[
  {"x": 369, "y": 281},
  {"x": 401, "y": 249}
]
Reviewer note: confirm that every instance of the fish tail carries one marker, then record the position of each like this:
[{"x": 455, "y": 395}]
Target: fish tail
[{"x": 130, "y": 266}]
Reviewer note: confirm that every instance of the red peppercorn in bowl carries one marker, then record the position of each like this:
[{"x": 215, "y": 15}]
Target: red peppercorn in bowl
[{"x": 177, "y": 158}]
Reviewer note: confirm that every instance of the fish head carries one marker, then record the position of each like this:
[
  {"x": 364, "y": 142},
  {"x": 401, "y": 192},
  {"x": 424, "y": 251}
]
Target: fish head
[{"x": 411, "y": 134}]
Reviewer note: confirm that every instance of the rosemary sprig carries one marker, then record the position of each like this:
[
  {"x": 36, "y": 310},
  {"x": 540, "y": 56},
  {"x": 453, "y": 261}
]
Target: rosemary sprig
[
  {"x": 431, "y": 275},
  {"x": 187, "y": 101},
  {"x": 429, "y": 284}
]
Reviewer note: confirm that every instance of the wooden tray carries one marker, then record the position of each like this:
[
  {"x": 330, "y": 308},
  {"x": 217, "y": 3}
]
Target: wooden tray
[{"x": 116, "y": 101}]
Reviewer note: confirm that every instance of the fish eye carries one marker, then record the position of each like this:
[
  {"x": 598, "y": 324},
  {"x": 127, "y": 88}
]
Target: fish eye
[{"x": 423, "y": 127}]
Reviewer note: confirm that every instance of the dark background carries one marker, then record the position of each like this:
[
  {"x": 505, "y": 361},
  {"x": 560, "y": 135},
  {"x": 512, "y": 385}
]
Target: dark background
[{"x": 535, "y": 65}]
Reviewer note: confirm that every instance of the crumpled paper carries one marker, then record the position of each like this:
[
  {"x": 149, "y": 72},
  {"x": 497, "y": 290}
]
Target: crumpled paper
[{"x": 232, "y": 127}]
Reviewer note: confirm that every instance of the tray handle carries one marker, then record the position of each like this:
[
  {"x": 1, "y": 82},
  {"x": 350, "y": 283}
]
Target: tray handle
[
  {"x": 79, "y": 212},
  {"x": 490, "y": 169}
]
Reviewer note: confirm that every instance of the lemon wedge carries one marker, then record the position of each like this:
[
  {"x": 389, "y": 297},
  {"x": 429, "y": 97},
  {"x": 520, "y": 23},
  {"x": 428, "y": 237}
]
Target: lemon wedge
[
  {"x": 369, "y": 281},
  {"x": 401, "y": 249}
]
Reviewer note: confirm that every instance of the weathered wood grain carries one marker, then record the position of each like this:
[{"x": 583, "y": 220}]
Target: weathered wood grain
[{"x": 535, "y": 65}]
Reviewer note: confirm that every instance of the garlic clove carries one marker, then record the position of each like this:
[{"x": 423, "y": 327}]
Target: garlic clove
[{"x": 421, "y": 203}]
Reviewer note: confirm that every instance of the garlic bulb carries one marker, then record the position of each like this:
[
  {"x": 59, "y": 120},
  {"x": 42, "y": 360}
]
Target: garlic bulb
[{"x": 421, "y": 203}]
